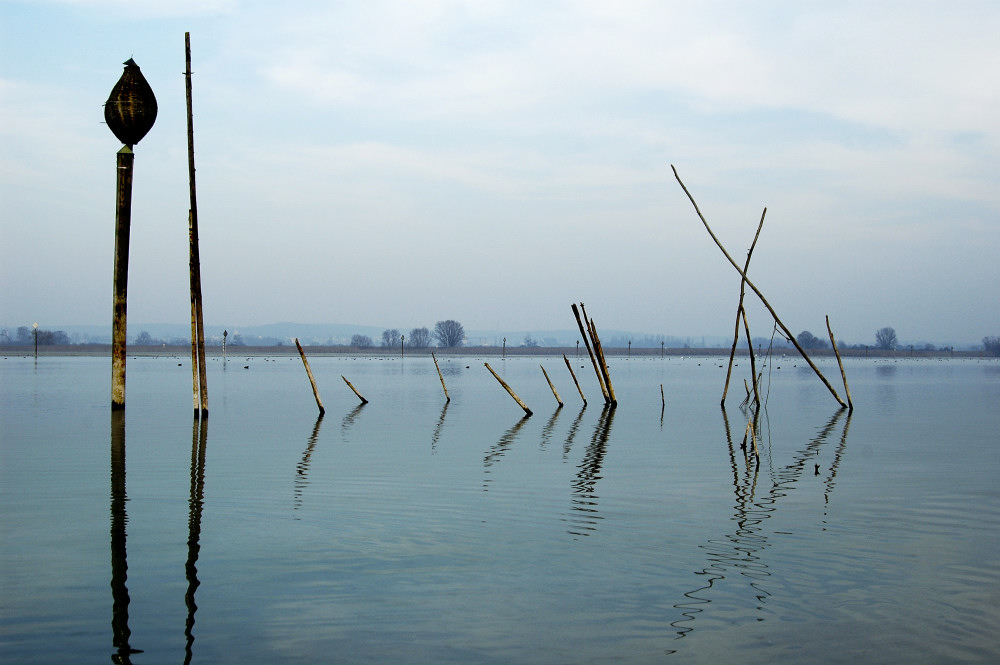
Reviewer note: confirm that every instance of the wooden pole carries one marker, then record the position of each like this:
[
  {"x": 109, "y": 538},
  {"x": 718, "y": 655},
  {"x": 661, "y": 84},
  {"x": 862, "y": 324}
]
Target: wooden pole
[
  {"x": 753, "y": 362},
  {"x": 309, "y": 373},
  {"x": 119, "y": 320},
  {"x": 784, "y": 328},
  {"x": 556, "y": 394},
  {"x": 590, "y": 352},
  {"x": 351, "y": 386},
  {"x": 195, "y": 255},
  {"x": 573, "y": 374},
  {"x": 843, "y": 374},
  {"x": 195, "y": 374},
  {"x": 739, "y": 308},
  {"x": 441, "y": 376},
  {"x": 612, "y": 400},
  {"x": 510, "y": 390}
]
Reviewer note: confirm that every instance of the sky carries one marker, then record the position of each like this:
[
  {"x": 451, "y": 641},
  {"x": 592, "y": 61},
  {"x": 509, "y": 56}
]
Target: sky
[{"x": 399, "y": 163}]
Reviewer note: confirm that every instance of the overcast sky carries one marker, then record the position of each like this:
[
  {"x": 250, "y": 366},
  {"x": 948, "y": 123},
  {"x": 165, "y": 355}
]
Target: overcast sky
[{"x": 398, "y": 163}]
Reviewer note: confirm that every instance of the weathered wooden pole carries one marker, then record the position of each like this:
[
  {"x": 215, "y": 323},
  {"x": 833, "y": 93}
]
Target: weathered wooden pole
[
  {"x": 351, "y": 386},
  {"x": 753, "y": 361},
  {"x": 552, "y": 387},
  {"x": 739, "y": 308},
  {"x": 843, "y": 374},
  {"x": 197, "y": 315},
  {"x": 447, "y": 398},
  {"x": 573, "y": 374},
  {"x": 586, "y": 342},
  {"x": 312, "y": 381},
  {"x": 599, "y": 350},
  {"x": 509, "y": 390},
  {"x": 753, "y": 287},
  {"x": 130, "y": 113}
]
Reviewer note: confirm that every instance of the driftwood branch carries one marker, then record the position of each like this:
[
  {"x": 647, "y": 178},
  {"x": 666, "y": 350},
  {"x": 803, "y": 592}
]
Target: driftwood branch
[{"x": 784, "y": 328}]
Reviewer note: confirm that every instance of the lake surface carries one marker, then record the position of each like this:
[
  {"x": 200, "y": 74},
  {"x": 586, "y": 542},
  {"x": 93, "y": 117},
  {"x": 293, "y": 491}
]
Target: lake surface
[{"x": 415, "y": 530}]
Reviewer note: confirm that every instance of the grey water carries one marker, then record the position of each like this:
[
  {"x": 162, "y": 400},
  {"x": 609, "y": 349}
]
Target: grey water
[{"x": 415, "y": 530}]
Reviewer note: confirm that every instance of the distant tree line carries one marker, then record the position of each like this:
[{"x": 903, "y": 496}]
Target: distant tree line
[
  {"x": 25, "y": 336},
  {"x": 447, "y": 334}
]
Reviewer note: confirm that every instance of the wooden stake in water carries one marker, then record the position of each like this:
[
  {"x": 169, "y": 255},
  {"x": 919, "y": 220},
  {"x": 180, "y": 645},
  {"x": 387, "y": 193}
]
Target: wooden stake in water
[
  {"x": 351, "y": 386},
  {"x": 843, "y": 374},
  {"x": 556, "y": 394},
  {"x": 509, "y": 390},
  {"x": 129, "y": 113},
  {"x": 586, "y": 342},
  {"x": 197, "y": 315},
  {"x": 573, "y": 374},
  {"x": 441, "y": 376},
  {"x": 312, "y": 381}
]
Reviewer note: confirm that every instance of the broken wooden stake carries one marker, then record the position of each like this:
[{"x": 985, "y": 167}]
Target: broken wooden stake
[
  {"x": 510, "y": 390},
  {"x": 351, "y": 386},
  {"x": 554, "y": 392},
  {"x": 312, "y": 381}
]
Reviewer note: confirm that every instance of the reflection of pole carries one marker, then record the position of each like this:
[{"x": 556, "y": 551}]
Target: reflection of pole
[
  {"x": 119, "y": 557},
  {"x": 199, "y": 441},
  {"x": 123, "y": 223}
]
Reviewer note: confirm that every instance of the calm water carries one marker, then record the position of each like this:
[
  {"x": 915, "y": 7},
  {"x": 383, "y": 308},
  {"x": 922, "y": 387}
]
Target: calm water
[{"x": 409, "y": 530}]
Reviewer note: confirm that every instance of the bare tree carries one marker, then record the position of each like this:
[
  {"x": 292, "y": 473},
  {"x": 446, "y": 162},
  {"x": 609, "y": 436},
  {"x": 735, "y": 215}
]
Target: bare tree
[
  {"x": 449, "y": 333},
  {"x": 361, "y": 341},
  {"x": 420, "y": 338},
  {"x": 809, "y": 341},
  {"x": 390, "y": 338},
  {"x": 992, "y": 345},
  {"x": 885, "y": 338}
]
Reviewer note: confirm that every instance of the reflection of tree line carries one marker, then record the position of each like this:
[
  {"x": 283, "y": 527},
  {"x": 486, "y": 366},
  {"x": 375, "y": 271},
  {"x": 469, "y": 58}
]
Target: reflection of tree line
[
  {"x": 121, "y": 633},
  {"x": 739, "y": 552}
]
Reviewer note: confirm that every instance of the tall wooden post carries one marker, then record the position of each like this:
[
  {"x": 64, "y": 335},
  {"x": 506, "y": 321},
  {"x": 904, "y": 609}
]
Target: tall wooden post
[
  {"x": 130, "y": 113},
  {"x": 119, "y": 319},
  {"x": 197, "y": 317}
]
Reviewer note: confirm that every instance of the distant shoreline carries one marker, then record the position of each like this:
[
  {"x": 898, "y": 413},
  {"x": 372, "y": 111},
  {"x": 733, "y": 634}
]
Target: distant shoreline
[{"x": 99, "y": 350}]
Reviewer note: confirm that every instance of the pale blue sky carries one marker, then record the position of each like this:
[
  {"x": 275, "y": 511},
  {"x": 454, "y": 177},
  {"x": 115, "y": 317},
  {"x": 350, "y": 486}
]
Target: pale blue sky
[{"x": 398, "y": 163}]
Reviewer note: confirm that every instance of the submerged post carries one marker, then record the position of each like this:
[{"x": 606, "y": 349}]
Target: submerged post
[
  {"x": 351, "y": 386},
  {"x": 312, "y": 381},
  {"x": 130, "y": 112}
]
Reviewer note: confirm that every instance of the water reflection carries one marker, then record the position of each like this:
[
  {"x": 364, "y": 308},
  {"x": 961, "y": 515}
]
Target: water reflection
[
  {"x": 547, "y": 429},
  {"x": 585, "y": 517},
  {"x": 119, "y": 556},
  {"x": 436, "y": 436},
  {"x": 498, "y": 450},
  {"x": 350, "y": 418},
  {"x": 302, "y": 468},
  {"x": 568, "y": 444},
  {"x": 199, "y": 442},
  {"x": 741, "y": 551}
]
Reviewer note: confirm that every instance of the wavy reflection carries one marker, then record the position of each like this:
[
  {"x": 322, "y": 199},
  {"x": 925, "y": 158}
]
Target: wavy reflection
[
  {"x": 547, "y": 429},
  {"x": 568, "y": 444},
  {"x": 119, "y": 555},
  {"x": 500, "y": 448},
  {"x": 738, "y": 555},
  {"x": 349, "y": 419},
  {"x": 302, "y": 468},
  {"x": 199, "y": 443},
  {"x": 585, "y": 516},
  {"x": 436, "y": 436}
]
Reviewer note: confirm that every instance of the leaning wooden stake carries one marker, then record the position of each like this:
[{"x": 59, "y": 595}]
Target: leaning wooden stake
[
  {"x": 784, "y": 328},
  {"x": 441, "y": 376},
  {"x": 195, "y": 256},
  {"x": 351, "y": 386},
  {"x": 510, "y": 390},
  {"x": 590, "y": 352},
  {"x": 599, "y": 348},
  {"x": 739, "y": 308},
  {"x": 843, "y": 374},
  {"x": 573, "y": 374},
  {"x": 554, "y": 392},
  {"x": 312, "y": 381}
]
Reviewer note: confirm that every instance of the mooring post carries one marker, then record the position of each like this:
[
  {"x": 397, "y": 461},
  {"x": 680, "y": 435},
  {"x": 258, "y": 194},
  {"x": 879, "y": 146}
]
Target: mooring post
[{"x": 130, "y": 113}]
